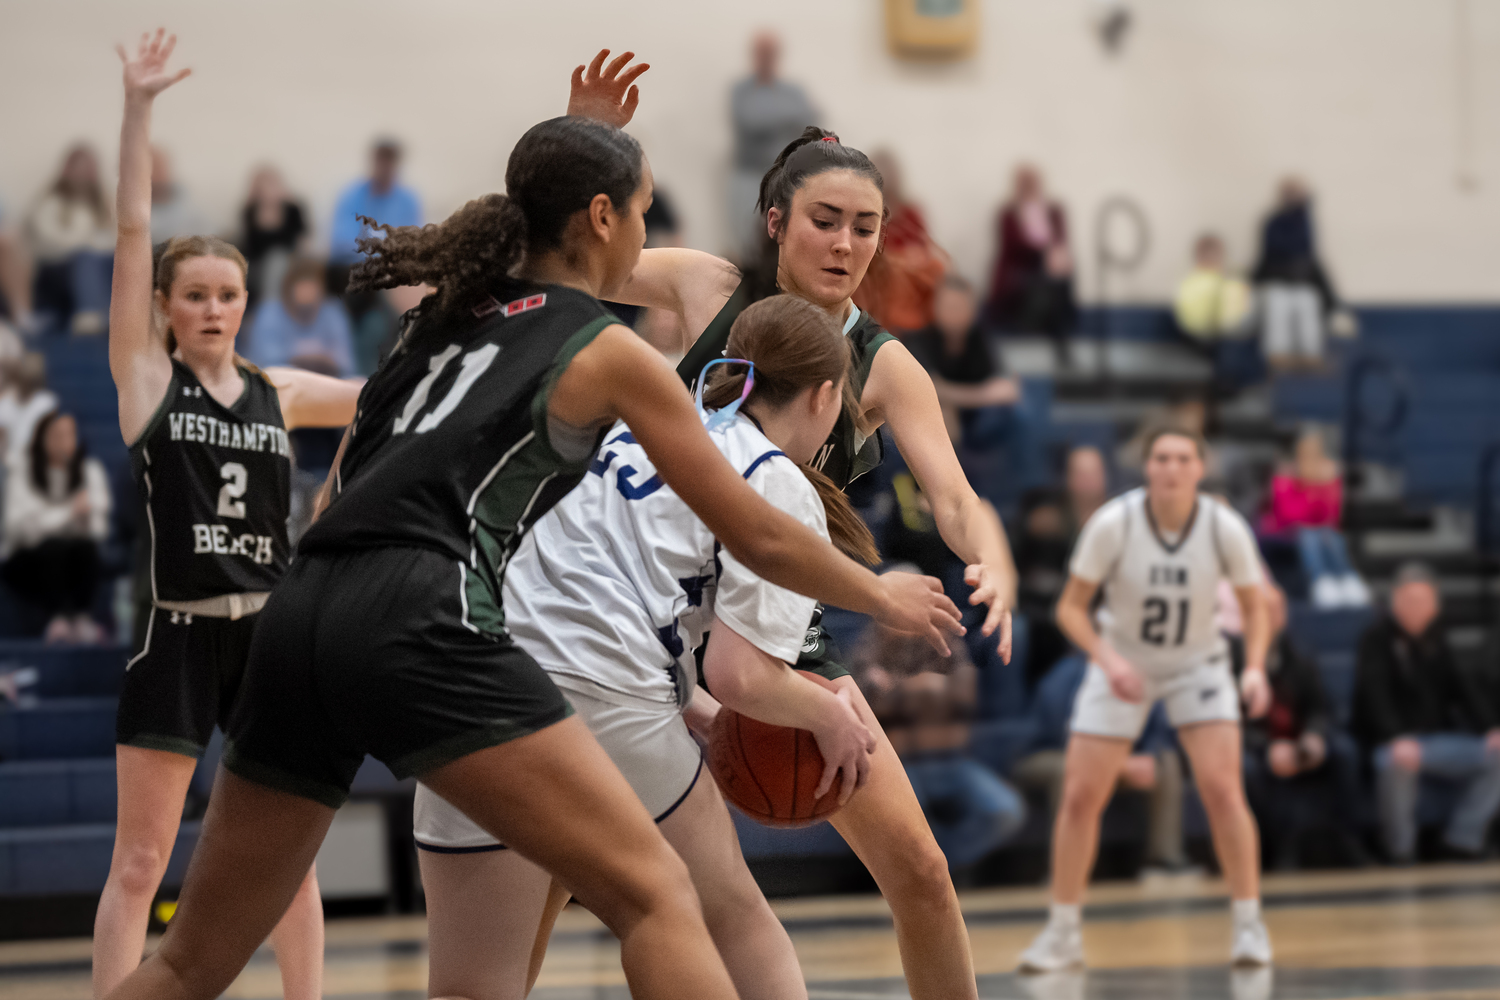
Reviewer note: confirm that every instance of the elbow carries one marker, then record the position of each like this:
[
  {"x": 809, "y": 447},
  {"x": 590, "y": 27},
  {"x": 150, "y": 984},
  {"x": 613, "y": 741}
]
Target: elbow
[{"x": 724, "y": 682}]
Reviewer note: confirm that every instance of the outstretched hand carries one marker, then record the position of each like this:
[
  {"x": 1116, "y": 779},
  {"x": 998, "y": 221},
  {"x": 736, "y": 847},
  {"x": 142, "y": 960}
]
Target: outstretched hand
[
  {"x": 604, "y": 94},
  {"x": 147, "y": 75},
  {"x": 987, "y": 591}
]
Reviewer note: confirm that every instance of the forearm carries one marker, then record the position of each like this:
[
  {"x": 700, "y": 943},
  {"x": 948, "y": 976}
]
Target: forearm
[
  {"x": 1075, "y": 623},
  {"x": 133, "y": 200},
  {"x": 972, "y": 529},
  {"x": 758, "y": 685},
  {"x": 1257, "y": 629},
  {"x": 787, "y": 553}
]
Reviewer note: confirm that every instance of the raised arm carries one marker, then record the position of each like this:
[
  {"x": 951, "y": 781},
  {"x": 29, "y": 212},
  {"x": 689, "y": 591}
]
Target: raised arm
[
  {"x": 137, "y": 352},
  {"x": 693, "y": 284},
  {"x": 900, "y": 394},
  {"x": 620, "y": 376},
  {"x": 312, "y": 400}
]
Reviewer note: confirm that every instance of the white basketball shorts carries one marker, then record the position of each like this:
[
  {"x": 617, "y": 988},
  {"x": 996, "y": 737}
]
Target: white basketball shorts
[
  {"x": 651, "y": 745},
  {"x": 1202, "y": 693}
]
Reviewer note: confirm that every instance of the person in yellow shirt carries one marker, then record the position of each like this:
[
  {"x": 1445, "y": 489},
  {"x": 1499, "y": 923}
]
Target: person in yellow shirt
[{"x": 1212, "y": 303}]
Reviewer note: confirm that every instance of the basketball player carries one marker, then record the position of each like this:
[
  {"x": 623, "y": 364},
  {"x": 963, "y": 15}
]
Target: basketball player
[
  {"x": 1159, "y": 553},
  {"x": 208, "y": 444},
  {"x": 611, "y": 593},
  {"x": 387, "y": 634},
  {"x": 825, "y": 208}
]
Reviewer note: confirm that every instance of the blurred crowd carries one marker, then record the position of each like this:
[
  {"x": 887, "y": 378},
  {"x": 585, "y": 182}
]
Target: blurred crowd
[{"x": 1413, "y": 713}]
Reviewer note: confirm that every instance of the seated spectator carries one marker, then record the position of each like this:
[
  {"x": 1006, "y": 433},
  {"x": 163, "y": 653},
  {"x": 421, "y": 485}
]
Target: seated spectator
[
  {"x": 15, "y": 276},
  {"x": 56, "y": 515},
  {"x": 900, "y": 285},
  {"x": 305, "y": 327},
  {"x": 1032, "y": 289},
  {"x": 72, "y": 236},
  {"x": 172, "y": 212},
  {"x": 24, "y": 400},
  {"x": 1049, "y": 526},
  {"x": 271, "y": 225},
  {"x": 966, "y": 369},
  {"x": 1424, "y": 717},
  {"x": 1295, "y": 293},
  {"x": 1307, "y": 503},
  {"x": 1296, "y": 763},
  {"x": 1154, "y": 766},
  {"x": 925, "y": 703},
  {"x": 1210, "y": 302}
]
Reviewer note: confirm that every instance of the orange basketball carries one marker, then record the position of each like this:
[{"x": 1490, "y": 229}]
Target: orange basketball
[{"x": 770, "y": 772}]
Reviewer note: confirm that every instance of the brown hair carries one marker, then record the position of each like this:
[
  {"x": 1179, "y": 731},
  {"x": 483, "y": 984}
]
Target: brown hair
[
  {"x": 169, "y": 254},
  {"x": 1173, "y": 430},
  {"x": 794, "y": 345},
  {"x": 302, "y": 269},
  {"x": 814, "y": 152},
  {"x": 93, "y": 196}
]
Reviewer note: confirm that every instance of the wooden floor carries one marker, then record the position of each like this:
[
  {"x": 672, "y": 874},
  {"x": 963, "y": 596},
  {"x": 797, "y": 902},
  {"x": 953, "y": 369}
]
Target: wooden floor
[{"x": 1422, "y": 932}]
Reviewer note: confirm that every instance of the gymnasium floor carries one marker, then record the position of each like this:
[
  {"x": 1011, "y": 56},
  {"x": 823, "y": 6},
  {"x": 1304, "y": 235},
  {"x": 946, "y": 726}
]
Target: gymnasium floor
[{"x": 1422, "y": 932}]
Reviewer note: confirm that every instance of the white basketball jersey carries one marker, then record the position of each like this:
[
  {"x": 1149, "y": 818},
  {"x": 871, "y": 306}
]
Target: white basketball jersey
[
  {"x": 616, "y": 585},
  {"x": 1160, "y": 591}
]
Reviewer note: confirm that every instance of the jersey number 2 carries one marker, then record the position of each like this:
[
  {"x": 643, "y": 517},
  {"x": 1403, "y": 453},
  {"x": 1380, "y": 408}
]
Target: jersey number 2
[
  {"x": 236, "y": 479},
  {"x": 474, "y": 365},
  {"x": 1154, "y": 621}
]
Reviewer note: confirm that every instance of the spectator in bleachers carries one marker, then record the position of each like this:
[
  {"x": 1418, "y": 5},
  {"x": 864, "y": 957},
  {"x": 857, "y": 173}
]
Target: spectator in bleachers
[
  {"x": 903, "y": 278},
  {"x": 1422, "y": 716},
  {"x": 766, "y": 112},
  {"x": 1032, "y": 288},
  {"x": 1211, "y": 303},
  {"x": 926, "y": 703},
  {"x": 172, "y": 211},
  {"x": 272, "y": 224},
  {"x": 1050, "y": 524},
  {"x": 1306, "y": 503},
  {"x": 1154, "y": 767},
  {"x": 305, "y": 326},
  {"x": 56, "y": 516},
  {"x": 24, "y": 400},
  {"x": 1296, "y": 296},
  {"x": 1296, "y": 763},
  {"x": 978, "y": 400},
  {"x": 71, "y": 232},
  {"x": 15, "y": 276}
]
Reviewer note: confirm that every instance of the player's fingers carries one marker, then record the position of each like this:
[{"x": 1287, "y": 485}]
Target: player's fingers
[
  {"x": 1006, "y": 628},
  {"x": 632, "y": 101},
  {"x": 578, "y": 76},
  {"x": 598, "y": 61},
  {"x": 995, "y": 616},
  {"x": 851, "y": 782},
  {"x": 634, "y": 73},
  {"x": 936, "y": 641},
  {"x": 166, "y": 50},
  {"x": 616, "y": 64},
  {"x": 182, "y": 74},
  {"x": 830, "y": 773}
]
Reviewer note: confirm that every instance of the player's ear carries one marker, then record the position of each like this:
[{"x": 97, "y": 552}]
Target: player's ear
[
  {"x": 602, "y": 216},
  {"x": 773, "y": 223},
  {"x": 826, "y": 395}
]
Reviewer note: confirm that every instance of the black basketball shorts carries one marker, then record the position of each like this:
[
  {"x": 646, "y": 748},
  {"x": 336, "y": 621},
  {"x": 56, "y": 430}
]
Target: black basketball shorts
[
  {"x": 183, "y": 681},
  {"x": 372, "y": 652},
  {"x": 820, "y": 654}
]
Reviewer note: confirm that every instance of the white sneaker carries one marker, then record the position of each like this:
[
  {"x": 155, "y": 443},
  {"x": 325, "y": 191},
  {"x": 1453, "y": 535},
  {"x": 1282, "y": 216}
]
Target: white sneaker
[
  {"x": 1252, "y": 944},
  {"x": 1057, "y": 948},
  {"x": 1356, "y": 594},
  {"x": 1327, "y": 592}
]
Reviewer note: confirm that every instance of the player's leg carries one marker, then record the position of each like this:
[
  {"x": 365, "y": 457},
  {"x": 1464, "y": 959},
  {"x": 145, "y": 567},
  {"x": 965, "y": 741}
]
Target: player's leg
[
  {"x": 885, "y": 826},
  {"x": 484, "y": 909},
  {"x": 752, "y": 942},
  {"x": 298, "y": 942},
  {"x": 555, "y": 796},
  {"x": 152, "y": 785},
  {"x": 253, "y": 856},
  {"x": 557, "y": 899},
  {"x": 1090, "y": 774}
]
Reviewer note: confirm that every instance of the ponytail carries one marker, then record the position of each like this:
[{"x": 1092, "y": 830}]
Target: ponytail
[
  {"x": 794, "y": 345},
  {"x": 813, "y": 152}
]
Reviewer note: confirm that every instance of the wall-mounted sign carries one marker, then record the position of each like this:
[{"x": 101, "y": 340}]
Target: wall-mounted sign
[{"x": 932, "y": 29}]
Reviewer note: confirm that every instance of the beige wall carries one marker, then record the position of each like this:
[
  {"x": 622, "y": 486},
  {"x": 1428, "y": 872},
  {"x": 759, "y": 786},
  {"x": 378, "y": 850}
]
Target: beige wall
[{"x": 1212, "y": 101}]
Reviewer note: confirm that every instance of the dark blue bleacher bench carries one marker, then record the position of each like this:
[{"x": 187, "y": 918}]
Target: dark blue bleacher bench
[{"x": 58, "y": 729}]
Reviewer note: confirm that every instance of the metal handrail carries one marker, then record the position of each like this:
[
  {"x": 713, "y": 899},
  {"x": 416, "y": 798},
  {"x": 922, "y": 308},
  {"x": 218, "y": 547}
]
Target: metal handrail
[{"x": 1109, "y": 258}]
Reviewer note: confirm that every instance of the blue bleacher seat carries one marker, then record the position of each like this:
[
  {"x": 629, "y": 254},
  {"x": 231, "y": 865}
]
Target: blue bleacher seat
[
  {"x": 58, "y": 860},
  {"x": 1328, "y": 631},
  {"x": 67, "y": 671},
  {"x": 56, "y": 792},
  {"x": 58, "y": 729},
  {"x": 1336, "y": 667}
]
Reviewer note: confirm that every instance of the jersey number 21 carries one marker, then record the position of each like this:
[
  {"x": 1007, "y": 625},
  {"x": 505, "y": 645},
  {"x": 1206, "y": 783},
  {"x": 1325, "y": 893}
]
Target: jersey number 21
[{"x": 1154, "y": 620}]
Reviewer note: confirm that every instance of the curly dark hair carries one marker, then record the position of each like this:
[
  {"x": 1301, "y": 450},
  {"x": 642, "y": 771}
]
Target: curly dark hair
[{"x": 554, "y": 172}]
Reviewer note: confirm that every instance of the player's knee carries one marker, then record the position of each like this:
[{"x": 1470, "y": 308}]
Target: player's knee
[
  {"x": 657, "y": 887},
  {"x": 138, "y": 868},
  {"x": 1082, "y": 801},
  {"x": 1221, "y": 794},
  {"x": 923, "y": 882}
]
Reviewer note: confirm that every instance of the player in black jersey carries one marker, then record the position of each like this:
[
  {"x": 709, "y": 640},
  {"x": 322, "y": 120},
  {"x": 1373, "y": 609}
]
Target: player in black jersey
[
  {"x": 825, "y": 209},
  {"x": 387, "y": 634},
  {"x": 208, "y": 445}
]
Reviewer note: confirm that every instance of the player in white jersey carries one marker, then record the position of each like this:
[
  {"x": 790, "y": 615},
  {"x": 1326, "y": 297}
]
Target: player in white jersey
[
  {"x": 611, "y": 594},
  {"x": 1159, "y": 554}
]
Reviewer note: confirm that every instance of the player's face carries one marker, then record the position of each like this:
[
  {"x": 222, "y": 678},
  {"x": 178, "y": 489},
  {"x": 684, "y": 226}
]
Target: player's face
[
  {"x": 625, "y": 247},
  {"x": 829, "y": 236},
  {"x": 1174, "y": 467},
  {"x": 206, "y": 304}
]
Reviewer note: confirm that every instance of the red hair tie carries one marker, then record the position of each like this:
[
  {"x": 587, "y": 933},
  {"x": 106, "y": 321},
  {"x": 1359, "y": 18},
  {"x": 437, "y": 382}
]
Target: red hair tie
[{"x": 830, "y": 138}]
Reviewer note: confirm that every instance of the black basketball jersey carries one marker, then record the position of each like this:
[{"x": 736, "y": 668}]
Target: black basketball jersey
[
  {"x": 451, "y": 448},
  {"x": 217, "y": 484},
  {"x": 847, "y": 454}
]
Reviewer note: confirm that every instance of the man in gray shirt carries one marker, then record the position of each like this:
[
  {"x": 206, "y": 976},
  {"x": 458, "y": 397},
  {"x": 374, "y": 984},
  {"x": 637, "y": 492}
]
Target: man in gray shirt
[{"x": 767, "y": 113}]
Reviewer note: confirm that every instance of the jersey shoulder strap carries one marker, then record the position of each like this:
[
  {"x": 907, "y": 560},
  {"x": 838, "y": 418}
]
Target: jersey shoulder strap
[
  {"x": 1213, "y": 530},
  {"x": 1128, "y": 503},
  {"x": 867, "y": 338},
  {"x": 714, "y": 339}
]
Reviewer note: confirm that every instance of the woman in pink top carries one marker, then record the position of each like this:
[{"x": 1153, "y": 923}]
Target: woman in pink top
[{"x": 1307, "y": 502}]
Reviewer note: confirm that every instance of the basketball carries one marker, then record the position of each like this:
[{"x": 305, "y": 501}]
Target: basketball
[{"x": 770, "y": 773}]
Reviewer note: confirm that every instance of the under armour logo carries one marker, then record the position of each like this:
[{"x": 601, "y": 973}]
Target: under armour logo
[
  {"x": 192, "y": 391},
  {"x": 1207, "y": 694},
  {"x": 182, "y": 618}
]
